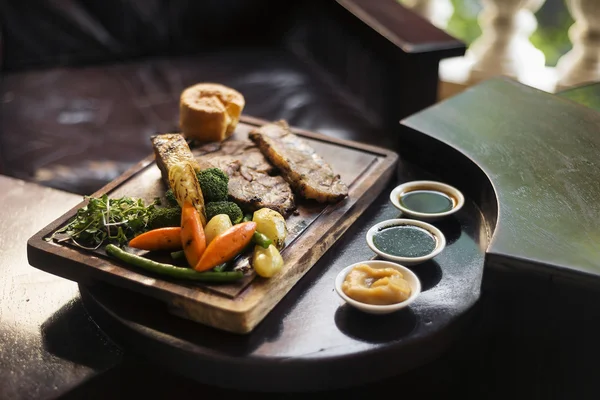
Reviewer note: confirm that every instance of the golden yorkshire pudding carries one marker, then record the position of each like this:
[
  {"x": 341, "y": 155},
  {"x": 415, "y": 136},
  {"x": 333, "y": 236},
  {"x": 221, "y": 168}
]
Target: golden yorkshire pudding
[{"x": 209, "y": 112}]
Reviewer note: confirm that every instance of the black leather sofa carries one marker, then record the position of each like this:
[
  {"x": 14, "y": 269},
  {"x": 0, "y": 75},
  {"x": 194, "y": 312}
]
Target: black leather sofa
[{"x": 84, "y": 83}]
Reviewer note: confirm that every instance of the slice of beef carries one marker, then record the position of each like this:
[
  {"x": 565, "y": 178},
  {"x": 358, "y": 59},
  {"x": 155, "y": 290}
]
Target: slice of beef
[
  {"x": 305, "y": 170},
  {"x": 252, "y": 183}
]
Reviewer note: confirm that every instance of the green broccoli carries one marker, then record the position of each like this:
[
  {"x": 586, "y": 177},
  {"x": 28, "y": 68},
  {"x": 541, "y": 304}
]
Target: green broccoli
[
  {"x": 215, "y": 171},
  {"x": 171, "y": 199},
  {"x": 224, "y": 207},
  {"x": 213, "y": 183},
  {"x": 163, "y": 217}
]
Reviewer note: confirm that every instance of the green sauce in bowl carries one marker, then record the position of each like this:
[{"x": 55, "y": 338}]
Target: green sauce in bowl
[{"x": 405, "y": 241}]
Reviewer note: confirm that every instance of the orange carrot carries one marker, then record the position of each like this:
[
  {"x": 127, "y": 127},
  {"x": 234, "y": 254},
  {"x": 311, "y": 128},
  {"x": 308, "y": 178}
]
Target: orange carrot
[
  {"x": 158, "y": 239},
  {"x": 226, "y": 246},
  {"x": 192, "y": 234}
]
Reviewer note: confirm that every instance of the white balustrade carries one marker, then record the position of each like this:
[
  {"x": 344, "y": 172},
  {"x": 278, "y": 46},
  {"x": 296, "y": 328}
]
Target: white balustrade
[
  {"x": 438, "y": 12},
  {"x": 504, "y": 47},
  {"x": 582, "y": 63}
]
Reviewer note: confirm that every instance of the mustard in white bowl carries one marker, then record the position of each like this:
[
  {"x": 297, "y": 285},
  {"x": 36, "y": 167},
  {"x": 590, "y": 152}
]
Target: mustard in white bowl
[{"x": 377, "y": 287}]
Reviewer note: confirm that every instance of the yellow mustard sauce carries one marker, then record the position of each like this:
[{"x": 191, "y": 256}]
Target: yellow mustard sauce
[{"x": 376, "y": 286}]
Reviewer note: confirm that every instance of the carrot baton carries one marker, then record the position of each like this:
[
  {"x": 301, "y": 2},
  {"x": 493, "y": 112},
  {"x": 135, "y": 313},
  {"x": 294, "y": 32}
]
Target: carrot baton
[
  {"x": 192, "y": 233},
  {"x": 158, "y": 239},
  {"x": 226, "y": 246}
]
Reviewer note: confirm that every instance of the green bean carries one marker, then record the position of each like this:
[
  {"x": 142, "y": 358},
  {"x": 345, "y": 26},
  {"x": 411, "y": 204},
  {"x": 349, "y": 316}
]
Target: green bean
[
  {"x": 247, "y": 218},
  {"x": 220, "y": 267},
  {"x": 171, "y": 270},
  {"x": 261, "y": 240},
  {"x": 231, "y": 263},
  {"x": 178, "y": 256}
]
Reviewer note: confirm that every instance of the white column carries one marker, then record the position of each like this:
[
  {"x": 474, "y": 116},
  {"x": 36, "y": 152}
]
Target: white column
[
  {"x": 438, "y": 12},
  {"x": 582, "y": 63},
  {"x": 504, "y": 47}
]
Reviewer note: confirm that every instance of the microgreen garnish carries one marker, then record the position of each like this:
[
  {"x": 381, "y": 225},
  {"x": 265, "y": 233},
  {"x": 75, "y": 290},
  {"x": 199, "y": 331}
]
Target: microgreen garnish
[{"x": 103, "y": 220}]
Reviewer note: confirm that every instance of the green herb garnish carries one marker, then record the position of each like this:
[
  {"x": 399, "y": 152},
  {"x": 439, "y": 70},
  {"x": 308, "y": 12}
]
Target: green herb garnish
[{"x": 107, "y": 220}]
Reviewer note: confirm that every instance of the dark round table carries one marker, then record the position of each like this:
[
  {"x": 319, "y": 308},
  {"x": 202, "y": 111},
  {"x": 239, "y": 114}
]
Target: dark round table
[{"x": 312, "y": 340}]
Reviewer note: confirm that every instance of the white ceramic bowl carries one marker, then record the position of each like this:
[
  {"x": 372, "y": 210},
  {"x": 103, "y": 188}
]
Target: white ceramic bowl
[
  {"x": 457, "y": 198},
  {"x": 411, "y": 278},
  {"x": 440, "y": 240}
]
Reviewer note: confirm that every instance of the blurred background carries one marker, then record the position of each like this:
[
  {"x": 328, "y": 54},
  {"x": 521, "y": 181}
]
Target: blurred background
[
  {"x": 551, "y": 35},
  {"x": 552, "y": 45}
]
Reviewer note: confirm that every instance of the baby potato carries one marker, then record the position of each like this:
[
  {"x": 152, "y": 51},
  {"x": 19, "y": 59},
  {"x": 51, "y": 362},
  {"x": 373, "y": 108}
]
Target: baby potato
[
  {"x": 266, "y": 262},
  {"x": 217, "y": 225},
  {"x": 271, "y": 224}
]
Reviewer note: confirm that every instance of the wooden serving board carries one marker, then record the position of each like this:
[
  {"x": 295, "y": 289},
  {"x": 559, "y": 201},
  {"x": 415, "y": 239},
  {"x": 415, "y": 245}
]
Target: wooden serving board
[{"x": 236, "y": 307}]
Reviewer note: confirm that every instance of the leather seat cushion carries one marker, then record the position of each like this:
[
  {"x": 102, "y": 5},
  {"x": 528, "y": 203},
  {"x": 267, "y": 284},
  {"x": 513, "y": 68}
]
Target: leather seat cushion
[{"x": 76, "y": 129}]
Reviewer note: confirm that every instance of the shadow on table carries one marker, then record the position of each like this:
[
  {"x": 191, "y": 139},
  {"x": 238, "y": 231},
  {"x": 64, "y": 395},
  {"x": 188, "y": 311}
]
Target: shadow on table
[
  {"x": 70, "y": 334},
  {"x": 135, "y": 378},
  {"x": 450, "y": 227},
  {"x": 375, "y": 328},
  {"x": 429, "y": 273},
  {"x": 117, "y": 309},
  {"x": 476, "y": 367}
]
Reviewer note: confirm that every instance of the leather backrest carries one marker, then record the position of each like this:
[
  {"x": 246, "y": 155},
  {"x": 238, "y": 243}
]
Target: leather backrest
[{"x": 67, "y": 32}]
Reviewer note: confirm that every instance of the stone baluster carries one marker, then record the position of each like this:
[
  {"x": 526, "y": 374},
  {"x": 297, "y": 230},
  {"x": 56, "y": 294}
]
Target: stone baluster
[
  {"x": 582, "y": 63},
  {"x": 438, "y": 12},
  {"x": 504, "y": 47}
]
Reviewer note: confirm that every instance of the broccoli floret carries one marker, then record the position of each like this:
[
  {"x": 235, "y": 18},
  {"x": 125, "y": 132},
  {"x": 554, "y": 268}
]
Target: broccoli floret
[
  {"x": 162, "y": 217},
  {"x": 213, "y": 183},
  {"x": 171, "y": 199},
  {"x": 215, "y": 171},
  {"x": 224, "y": 207}
]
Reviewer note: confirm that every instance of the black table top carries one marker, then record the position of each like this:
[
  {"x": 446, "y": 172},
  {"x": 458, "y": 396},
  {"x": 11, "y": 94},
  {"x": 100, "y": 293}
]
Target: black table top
[
  {"x": 312, "y": 340},
  {"x": 52, "y": 348}
]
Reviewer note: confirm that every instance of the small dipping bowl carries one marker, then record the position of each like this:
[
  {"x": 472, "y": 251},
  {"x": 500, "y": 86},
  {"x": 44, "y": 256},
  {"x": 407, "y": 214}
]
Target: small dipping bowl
[
  {"x": 409, "y": 276},
  {"x": 427, "y": 200},
  {"x": 419, "y": 241}
]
